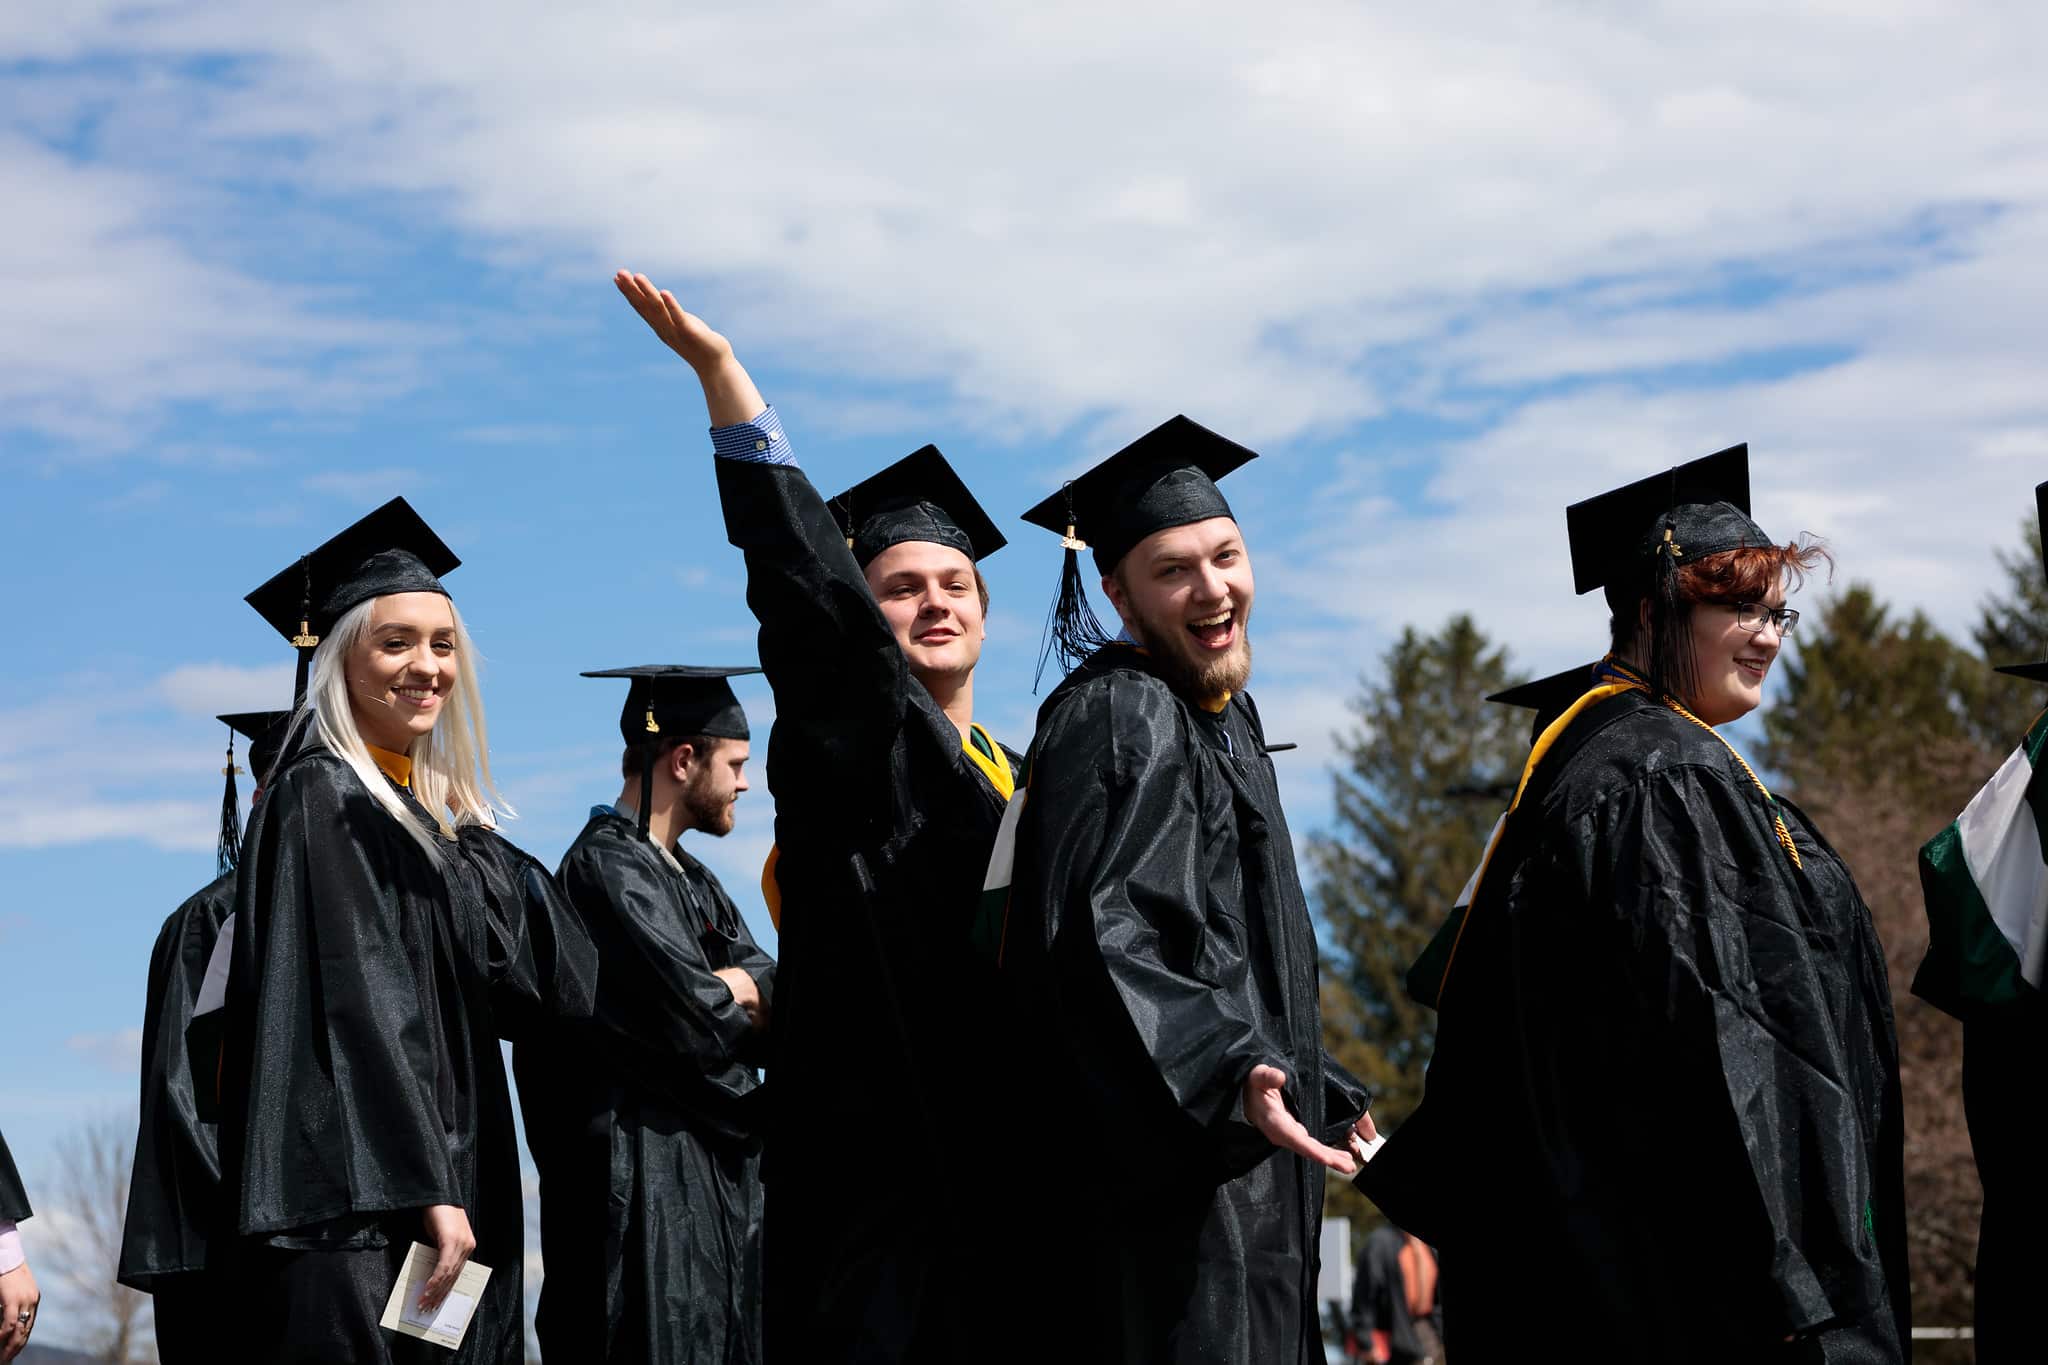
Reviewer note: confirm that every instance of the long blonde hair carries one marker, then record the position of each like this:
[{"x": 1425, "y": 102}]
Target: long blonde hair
[{"x": 451, "y": 764}]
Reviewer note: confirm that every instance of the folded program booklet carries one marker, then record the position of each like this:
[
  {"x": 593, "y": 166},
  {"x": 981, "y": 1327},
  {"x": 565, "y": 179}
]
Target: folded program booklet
[{"x": 445, "y": 1325}]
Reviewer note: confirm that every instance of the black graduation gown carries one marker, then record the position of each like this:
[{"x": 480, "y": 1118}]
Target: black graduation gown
[
  {"x": 1665, "y": 1094},
  {"x": 880, "y": 1226},
  {"x": 1159, "y": 947},
  {"x": 643, "y": 1122},
  {"x": 176, "y": 1177},
  {"x": 361, "y": 1077},
  {"x": 13, "y": 1199}
]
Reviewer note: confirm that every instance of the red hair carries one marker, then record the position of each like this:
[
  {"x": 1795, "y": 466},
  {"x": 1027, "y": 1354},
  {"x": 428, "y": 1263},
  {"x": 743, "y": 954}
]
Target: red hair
[{"x": 1748, "y": 575}]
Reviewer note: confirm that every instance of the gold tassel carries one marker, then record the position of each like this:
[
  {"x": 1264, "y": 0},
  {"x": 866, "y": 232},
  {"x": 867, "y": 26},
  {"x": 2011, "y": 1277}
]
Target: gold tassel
[{"x": 653, "y": 726}]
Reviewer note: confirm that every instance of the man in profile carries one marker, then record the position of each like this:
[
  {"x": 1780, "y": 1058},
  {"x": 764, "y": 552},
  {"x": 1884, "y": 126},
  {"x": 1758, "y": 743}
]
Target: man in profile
[{"x": 644, "y": 1122}]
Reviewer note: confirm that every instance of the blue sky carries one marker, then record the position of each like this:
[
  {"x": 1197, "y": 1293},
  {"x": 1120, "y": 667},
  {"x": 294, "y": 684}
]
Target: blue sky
[{"x": 266, "y": 266}]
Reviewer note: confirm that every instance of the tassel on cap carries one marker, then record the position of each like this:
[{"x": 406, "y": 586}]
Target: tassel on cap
[
  {"x": 228, "y": 852},
  {"x": 1072, "y": 631},
  {"x": 305, "y": 641},
  {"x": 646, "y": 787}
]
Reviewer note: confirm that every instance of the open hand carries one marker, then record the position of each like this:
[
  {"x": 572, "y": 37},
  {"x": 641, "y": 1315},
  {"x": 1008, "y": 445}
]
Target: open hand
[
  {"x": 684, "y": 333},
  {"x": 1265, "y": 1108},
  {"x": 448, "y": 1230},
  {"x": 729, "y": 395}
]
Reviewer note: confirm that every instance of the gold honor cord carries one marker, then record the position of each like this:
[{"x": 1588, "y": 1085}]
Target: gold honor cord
[
  {"x": 1542, "y": 747},
  {"x": 1536, "y": 753}
]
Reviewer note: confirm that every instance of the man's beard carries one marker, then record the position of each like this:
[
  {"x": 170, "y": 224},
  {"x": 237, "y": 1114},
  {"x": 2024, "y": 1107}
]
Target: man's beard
[
  {"x": 708, "y": 811},
  {"x": 1194, "y": 672}
]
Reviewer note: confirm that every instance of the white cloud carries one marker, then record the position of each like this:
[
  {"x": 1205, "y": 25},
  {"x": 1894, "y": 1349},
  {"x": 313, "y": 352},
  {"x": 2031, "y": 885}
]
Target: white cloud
[
  {"x": 119, "y": 1050},
  {"x": 1098, "y": 215},
  {"x": 222, "y": 689}
]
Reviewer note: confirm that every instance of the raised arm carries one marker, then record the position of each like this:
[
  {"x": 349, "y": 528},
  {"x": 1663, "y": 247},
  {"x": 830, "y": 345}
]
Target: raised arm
[{"x": 841, "y": 682}]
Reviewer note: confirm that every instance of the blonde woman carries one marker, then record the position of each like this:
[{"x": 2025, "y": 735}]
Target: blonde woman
[{"x": 384, "y": 937}]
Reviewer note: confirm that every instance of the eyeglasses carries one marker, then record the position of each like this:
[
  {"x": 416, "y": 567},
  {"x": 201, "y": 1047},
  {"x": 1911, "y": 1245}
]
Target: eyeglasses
[{"x": 1751, "y": 616}]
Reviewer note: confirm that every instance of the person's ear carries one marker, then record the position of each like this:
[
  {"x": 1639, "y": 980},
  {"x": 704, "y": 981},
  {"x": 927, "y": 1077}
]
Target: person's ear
[{"x": 679, "y": 760}]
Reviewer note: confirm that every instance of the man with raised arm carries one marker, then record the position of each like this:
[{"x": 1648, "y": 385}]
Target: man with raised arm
[
  {"x": 1160, "y": 950},
  {"x": 887, "y": 800}
]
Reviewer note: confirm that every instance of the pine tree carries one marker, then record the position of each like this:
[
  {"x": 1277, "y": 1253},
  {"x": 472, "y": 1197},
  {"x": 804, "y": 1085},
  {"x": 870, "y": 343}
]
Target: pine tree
[
  {"x": 1417, "y": 793},
  {"x": 2013, "y": 629},
  {"x": 1866, "y": 693}
]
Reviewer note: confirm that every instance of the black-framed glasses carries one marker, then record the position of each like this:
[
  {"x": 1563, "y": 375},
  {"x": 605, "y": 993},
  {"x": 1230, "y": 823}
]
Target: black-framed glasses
[{"x": 1751, "y": 616}]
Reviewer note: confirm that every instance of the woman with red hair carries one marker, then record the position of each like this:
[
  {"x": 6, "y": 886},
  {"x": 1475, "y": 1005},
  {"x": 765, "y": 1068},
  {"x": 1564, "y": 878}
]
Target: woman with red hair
[{"x": 1664, "y": 1103}]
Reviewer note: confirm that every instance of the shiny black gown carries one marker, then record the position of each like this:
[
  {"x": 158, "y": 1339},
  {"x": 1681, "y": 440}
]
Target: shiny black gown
[
  {"x": 362, "y": 1079},
  {"x": 176, "y": 1177},
  {"x": 13, "y": 1199},
  {"x": 879, "y": 1229},
  {"x": 1665, "y": 1090},
  {"x": 1158, "y": 946},
  {"x": 644, "y": 1122}
]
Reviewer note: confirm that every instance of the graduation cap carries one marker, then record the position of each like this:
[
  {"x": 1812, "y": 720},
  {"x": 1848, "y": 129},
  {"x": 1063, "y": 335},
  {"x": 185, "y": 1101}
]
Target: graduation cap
[
  {"x": 676, "y": 701},
  {"x": 1165, "y": 478},
  {"x": 265, "y": 731},
  {"x": 917, "y": 498},
  {"x": 1681, "y": 515},
  {"x": 391, "y": 550},
  {"x": 1548, "y": 697},
  {"x": 2035, "y": 672}
]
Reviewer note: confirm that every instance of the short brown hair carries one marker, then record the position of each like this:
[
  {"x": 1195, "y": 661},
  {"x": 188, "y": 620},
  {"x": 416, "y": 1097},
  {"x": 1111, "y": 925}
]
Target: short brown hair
[{"x": 635, "y": 759}]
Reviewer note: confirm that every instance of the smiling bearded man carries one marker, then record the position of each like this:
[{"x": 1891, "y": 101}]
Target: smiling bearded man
[{"x": 1159, "y": 948}]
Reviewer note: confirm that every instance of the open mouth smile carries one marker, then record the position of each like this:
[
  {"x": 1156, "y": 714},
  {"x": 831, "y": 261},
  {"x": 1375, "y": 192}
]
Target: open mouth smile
[
  {"x": 1218, "y": 632},
  {"x": 424, "y": 698}
]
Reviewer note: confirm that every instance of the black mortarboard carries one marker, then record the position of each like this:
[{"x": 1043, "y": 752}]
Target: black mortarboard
[
  {"x": 1165, "y": 478},
  {"x": 1551, "y": 694},
  {"x": 1547, "y": 697},
  {"x": 676, "y": 701},
  {"x": 1687, "y": 512},
  {"x": 2035, "y": 672},
  {"x": 917, "y": 498},
  {"x": 265, "y": 731},
  {"x": 390, "y": 550},
  {"x": 679, "y": 700}
]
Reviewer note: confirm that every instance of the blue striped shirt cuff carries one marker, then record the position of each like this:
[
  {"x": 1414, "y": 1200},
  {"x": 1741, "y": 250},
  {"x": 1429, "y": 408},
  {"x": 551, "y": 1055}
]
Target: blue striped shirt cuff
[{"x": 760, "y": 441}]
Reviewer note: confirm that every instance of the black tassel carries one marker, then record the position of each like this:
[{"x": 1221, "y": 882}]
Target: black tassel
[
  {"x": 1671, "y": 666},
  {"x": 1071, "y": 628},
  {"x": 228, "y": 852},
  {"x": 647, "y": 786},
  {"x": 305, "y": 640}
]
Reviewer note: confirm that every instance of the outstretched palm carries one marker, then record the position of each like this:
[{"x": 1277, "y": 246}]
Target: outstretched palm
[
  {"x": 683, "y": 332},
  {"x": 1265, "y": 1108}
]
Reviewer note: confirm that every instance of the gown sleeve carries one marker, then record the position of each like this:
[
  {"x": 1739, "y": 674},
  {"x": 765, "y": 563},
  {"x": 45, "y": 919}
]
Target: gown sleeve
[
  {"x": 1345, "y": 1098},
  {"x": 177, "y": 1160},
  {"x": 840, "y": 680},
  {"x": 1128, "y": 876},
  {"x": 541, "y": 964},
  {"x": 13, "y": 1199},
  {"x": 345, "y": 1059},
  {"x": 659, "y": 996},
  {"x": 1705, "y": 922}
]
